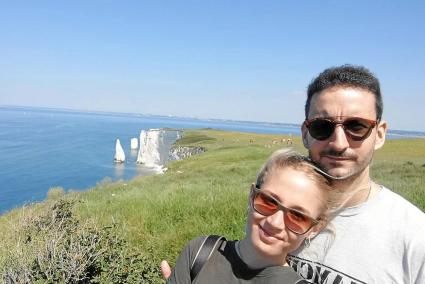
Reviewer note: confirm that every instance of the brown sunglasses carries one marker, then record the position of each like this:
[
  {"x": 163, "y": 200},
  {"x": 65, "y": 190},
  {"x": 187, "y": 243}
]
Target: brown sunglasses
[
  {"x": 357, "y": 128},
  {"x": 265, "y": 204}
]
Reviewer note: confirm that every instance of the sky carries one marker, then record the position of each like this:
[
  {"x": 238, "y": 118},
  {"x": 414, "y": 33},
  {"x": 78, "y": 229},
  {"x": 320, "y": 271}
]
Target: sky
[{"x": 241, "y": 60}]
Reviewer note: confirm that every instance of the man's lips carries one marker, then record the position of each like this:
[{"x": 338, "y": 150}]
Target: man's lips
[
  {"x": 337, "y": 155},
  {"x": 336, "y": 158}
]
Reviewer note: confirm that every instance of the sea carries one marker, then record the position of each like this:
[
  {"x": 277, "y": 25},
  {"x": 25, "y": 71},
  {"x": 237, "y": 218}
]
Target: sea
[{"x": 41, "y": 148}]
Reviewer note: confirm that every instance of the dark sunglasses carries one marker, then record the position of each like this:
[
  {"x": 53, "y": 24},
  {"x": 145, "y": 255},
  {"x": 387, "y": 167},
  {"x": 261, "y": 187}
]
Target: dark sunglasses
[
  {"x": 295, "y": 221},
  {"x": 358, "y": 129}
]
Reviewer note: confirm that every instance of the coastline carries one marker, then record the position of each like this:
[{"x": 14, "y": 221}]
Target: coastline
[{"x": 42, "y": 149}]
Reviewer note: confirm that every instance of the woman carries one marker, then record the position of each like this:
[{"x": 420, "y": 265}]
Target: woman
[{"x": 289, "y": 203}]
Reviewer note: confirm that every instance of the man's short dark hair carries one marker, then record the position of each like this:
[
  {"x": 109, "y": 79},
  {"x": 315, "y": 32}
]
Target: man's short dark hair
[{"x": 346, "y": 76}]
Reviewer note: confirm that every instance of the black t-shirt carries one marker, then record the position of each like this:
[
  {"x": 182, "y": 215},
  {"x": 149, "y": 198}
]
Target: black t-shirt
[{"x": 225, "y": 266}]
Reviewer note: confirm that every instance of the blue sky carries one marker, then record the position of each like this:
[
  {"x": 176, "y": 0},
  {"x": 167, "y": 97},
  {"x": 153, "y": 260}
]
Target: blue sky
[{"x": 244, "y": 60}]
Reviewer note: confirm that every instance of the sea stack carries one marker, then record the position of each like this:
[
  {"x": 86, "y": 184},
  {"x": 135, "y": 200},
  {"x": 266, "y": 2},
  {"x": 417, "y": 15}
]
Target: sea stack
[
  {"x": 134, "y": 144},
  {"x": 119, "y": 153}
]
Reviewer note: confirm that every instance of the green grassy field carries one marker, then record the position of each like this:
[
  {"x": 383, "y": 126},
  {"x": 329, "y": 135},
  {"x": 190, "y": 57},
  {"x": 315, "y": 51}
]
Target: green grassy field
[{"x": 155, "y": 216}]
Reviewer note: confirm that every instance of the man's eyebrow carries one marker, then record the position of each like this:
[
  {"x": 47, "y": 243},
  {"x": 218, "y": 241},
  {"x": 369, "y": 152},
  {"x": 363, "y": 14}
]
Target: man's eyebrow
[{"x": 321, "y": 114}]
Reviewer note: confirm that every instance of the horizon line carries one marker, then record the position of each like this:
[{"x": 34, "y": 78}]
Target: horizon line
[{"x": 184, "y": 117}]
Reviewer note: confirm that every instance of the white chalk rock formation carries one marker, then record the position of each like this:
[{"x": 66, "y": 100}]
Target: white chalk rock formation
[
  {"x": 119, "y": 152},
  {"x": 134, "y": 144},
  {"x": 151, "y": 145}
]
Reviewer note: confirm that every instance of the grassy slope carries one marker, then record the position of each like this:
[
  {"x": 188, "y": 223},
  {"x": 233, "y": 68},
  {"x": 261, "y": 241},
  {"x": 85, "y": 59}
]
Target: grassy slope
[
  {"x": 201, "y": 195},
  {"x": 208, "y": 193}
]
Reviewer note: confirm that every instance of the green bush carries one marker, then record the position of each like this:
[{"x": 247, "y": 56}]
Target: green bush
[{"x": 55, "y": 247}]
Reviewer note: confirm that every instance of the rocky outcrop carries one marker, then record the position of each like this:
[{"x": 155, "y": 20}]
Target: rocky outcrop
[
  {"x": 134, "y": 144},
  {"x": 183, "y": 152},
  {"x": 119, "y": 152}
]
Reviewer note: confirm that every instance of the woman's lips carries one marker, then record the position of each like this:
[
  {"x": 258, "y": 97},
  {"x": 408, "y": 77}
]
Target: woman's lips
[{"x": 267, "y": 236}]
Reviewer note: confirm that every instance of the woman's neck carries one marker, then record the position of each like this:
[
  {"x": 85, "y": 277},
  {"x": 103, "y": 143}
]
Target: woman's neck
[{"x": 253, "y": 259}]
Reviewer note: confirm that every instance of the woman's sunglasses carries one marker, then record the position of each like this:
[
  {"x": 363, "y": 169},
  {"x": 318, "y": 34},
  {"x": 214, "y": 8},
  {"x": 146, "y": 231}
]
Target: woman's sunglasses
[
  {"x": 295, "y": 221},
  {"x": 358, "y": 129}
]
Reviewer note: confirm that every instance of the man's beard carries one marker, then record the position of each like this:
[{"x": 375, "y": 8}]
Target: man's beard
[{"x": 352, "y": 172}]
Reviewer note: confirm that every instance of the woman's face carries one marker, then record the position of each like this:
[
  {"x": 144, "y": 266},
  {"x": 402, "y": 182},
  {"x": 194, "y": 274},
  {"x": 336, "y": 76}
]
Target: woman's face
[{"x": 294, "y": 189}]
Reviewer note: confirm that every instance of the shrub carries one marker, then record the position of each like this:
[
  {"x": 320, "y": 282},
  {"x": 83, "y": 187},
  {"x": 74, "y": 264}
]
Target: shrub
[{"x": 55, "y": 247}]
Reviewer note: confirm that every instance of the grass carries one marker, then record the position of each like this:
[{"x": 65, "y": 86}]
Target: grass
[
  {"x": 205, "y": 194},
  {"x": 400, "y": 166}
]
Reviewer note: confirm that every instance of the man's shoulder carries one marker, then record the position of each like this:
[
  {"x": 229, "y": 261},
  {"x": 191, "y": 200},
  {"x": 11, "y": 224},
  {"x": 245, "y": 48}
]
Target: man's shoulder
[
  {"x": 396, "y": 216},
  {"x": 399, "y": 205},
  {"x": 375, "y": 242}
]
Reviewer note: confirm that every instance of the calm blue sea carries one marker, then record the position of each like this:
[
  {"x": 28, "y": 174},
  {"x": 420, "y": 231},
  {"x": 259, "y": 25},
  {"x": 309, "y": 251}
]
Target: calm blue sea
[{"x": 43, "y": 148}]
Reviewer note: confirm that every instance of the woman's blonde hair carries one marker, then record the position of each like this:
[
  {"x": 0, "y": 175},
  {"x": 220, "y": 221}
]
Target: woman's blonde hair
[{"x": 287, "y": 158}]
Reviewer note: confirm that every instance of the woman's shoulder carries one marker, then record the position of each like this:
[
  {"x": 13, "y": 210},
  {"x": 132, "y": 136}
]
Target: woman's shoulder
[
  {"x": 196, "y": 243},
  {"x": 193, "y": 247}
]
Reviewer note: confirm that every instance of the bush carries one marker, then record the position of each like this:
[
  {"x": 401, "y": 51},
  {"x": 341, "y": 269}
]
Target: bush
[{"x": 55, "y": 247}]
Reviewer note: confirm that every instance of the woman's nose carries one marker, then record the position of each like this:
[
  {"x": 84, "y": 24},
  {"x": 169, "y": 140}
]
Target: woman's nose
[{"x": 276, "y": 220}]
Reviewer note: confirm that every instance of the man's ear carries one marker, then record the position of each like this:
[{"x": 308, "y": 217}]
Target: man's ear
[
  {"x": 381, "y": 131},
  {"x": 304, "y": 133}
]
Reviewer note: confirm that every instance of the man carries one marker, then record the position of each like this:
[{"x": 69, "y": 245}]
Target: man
[{"x": 378, "y": 237}]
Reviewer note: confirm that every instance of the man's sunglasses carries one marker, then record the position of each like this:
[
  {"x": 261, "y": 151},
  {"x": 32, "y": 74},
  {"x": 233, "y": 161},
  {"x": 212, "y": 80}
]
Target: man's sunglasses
[
  {"x": 358, "y": 129},
  {"x": 295, "y": 221}
]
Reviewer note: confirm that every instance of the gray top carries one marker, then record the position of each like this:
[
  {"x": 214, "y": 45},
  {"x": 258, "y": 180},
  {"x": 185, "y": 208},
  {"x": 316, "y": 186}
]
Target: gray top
[
  {"x": 225, "y": 266},
  {"x": 379, "y": 241}
]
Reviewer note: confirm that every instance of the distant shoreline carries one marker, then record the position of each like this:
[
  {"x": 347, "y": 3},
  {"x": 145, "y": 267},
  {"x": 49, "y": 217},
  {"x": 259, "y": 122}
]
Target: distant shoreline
[{"x": 392, "y": 133}]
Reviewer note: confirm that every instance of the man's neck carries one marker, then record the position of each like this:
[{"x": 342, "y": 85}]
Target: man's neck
[{"x": 354, "y": 190}]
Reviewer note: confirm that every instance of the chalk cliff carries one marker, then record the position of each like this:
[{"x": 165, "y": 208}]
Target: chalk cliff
[{"x": 152, "y": 144}]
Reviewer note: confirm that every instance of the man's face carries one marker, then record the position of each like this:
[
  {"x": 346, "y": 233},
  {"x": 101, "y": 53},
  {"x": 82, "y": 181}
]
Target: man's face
[{"x": 339, "y": 155}]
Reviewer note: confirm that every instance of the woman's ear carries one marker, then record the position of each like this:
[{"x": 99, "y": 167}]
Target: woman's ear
[{"x": 316, "y": 229}]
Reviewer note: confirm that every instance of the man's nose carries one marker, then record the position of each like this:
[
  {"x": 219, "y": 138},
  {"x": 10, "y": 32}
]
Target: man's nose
[{"x": 339, "y": 141}]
